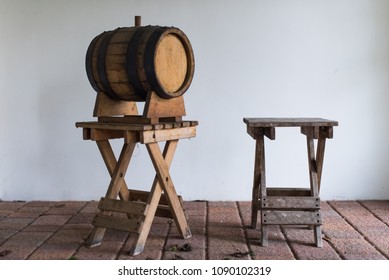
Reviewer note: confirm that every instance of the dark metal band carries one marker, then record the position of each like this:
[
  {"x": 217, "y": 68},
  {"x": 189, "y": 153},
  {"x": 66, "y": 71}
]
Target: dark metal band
[
  {"x": 88, "y": 63},
  {"x": 131, "y": 67},
  {"x": 101, "y": 65},
  {"x": 149, "y": 65}
]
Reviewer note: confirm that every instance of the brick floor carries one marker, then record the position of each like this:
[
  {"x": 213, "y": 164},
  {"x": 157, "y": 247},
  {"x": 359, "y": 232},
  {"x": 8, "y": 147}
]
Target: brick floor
[{"x": 352, "y": 230}]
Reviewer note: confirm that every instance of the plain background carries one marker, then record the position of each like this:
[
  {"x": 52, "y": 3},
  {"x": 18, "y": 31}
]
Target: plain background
[{"x": 280, "y": 58}]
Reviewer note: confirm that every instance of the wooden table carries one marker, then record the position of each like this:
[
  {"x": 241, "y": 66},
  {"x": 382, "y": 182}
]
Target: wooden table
[
  {"x": 288, "y": 206},
  {"x": 139, "y": 207}
]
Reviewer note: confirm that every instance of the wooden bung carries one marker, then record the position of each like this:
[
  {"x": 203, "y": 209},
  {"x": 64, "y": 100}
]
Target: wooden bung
[{"x": 138, "y": 21}]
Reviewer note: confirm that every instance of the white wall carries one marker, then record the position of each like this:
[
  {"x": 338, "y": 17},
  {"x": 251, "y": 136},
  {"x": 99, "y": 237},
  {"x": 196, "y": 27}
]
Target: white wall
[{"x": 285, "y": 58}]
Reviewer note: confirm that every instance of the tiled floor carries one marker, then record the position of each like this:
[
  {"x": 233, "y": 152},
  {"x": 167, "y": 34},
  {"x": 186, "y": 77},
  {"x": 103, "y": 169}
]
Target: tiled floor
[{"x": 57, "y": 230}]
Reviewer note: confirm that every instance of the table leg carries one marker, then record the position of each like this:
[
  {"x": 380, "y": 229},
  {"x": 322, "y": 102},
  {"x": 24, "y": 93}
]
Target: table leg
[
  {"x": 152, "y": 202},
  {"x": 114, "y": 186},
  {"x": 319, "y": 158},
  {"x": 110, "y": 162},
  {"x": 313, "y": 176},
  {"x": 162, "y": 169},
  {"x": 257, "y": 177},
  {"x": 259, "y": 185},
  {"x": 262, "y": 184}
]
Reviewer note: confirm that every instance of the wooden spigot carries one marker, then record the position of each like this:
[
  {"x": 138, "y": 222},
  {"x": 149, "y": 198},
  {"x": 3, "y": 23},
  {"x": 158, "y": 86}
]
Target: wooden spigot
[{"x": 138, "y": 20}]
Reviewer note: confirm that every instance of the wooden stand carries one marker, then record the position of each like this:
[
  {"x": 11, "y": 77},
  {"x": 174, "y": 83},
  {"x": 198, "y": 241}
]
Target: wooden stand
[
  {"x": 288, "y": 206},
  {"x": 161, "y": 121},
  {"x": 156, "y": 109}
]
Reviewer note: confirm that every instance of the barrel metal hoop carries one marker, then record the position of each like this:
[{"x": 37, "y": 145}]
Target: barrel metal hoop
[
  {"x": 88, "y": 63},
  {"x": 131, "y": 67},
  {"x": 149, "y": 62},
  {"x": 101, "y": 65},
  {"x": 190, "y": 57}
]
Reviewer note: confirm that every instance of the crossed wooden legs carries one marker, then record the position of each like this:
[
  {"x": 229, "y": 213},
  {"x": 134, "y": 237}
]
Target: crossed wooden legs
[
  {"x": 161, "y": 182},
  {"x": 144, "y": 212},
  {"x": 289, "y": 206}
]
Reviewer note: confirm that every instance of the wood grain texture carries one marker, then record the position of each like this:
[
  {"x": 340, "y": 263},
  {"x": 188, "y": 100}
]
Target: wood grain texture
[
  {"x": 122, "y": 206},
  {"x": 171, "y": 63},
  {"x": 291, "y": 218},
  {"x": 124, "y": 224},
  {"x": 154, "y": 136},
  {"x": 106, "y": 106},
  {"x": 288, "y": 122},
  {"x": 290, "y": 202}
]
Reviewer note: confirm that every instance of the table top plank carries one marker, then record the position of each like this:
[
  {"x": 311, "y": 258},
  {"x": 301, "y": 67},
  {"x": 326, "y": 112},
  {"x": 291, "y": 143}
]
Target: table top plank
[
  {"x": 288, "y": 122},
  {"x": 134, "y": 126}
]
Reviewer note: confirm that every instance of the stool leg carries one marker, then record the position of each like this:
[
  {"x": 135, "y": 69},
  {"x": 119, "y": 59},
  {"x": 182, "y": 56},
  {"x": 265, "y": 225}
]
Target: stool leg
[
  {"x": 313, "y": 178},
  {"x": 152, "y": 202},
  {"x": 321, "y": 143},
  {"x": 317, "y": 236},
  {"x": 262, "y": 185},
  {"x": 162, "y": 170},
  {"x": 110, "y": 162},
  {"x": 113, "y": 189},
  {"x": 255, "y": 192}
]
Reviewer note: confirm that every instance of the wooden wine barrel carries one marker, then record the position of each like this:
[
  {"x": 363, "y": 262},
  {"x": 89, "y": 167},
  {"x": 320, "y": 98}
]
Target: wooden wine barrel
[{"x": 128, "y": 62}]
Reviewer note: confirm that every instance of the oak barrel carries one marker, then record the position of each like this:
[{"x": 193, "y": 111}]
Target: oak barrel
[{"x": 128, "y": 62}]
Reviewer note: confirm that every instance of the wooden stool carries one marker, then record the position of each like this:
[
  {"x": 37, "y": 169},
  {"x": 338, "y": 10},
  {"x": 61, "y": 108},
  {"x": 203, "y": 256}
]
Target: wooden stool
[
  {"x": 288, "y": 206},
  {"x": 139, "y": 206}
]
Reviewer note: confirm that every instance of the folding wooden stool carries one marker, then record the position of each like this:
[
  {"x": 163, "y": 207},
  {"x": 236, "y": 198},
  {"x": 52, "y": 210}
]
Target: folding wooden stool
[
  {"x": 288, "y": 206},
  {"x": 140, "y": 207}
]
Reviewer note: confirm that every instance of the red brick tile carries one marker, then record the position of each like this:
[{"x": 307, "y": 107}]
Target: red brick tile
[
  {"x": 69, "y": 236},
  {"x": 376, "y": 204},
  {"x": 15, "y": 223},
  {"x": 366, "y": 223},
  {"x": 107, "y": 250},
  {"x": 54, "y": 251},
  {"x": 5, "y": 234},
  {"x": 222, "y": 206},
  {"x": 77, "y": 227},
  {"x": 22, "y": 244},
  {"x": 34, "y": 209},
  {"x": 303, "y": 245},
  {"x": 47, "y": 223},
  {"x": 380, "y": 208},
  {"x": 66, "y": 207},
  {"x": 228, "y": 247},
  {"x": 16, "y": 253},
  {"x": 81, "y": 218},
  {"x": 186, "y": 249},
  {"x": 90, "y": 207},
  {"x": 24, "y": 215},
  {"x": 356, "y": 249},
  {"x": 278, "y": 249},
  {"x": 58, "y": 220},
  {"x": 154, "y": 245},
  {"x": 41, "y": 203},
  {"x": 245, "y": 213},
  {"x": 195, "y": 205},
  {"x": 10, "y": 206}
]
